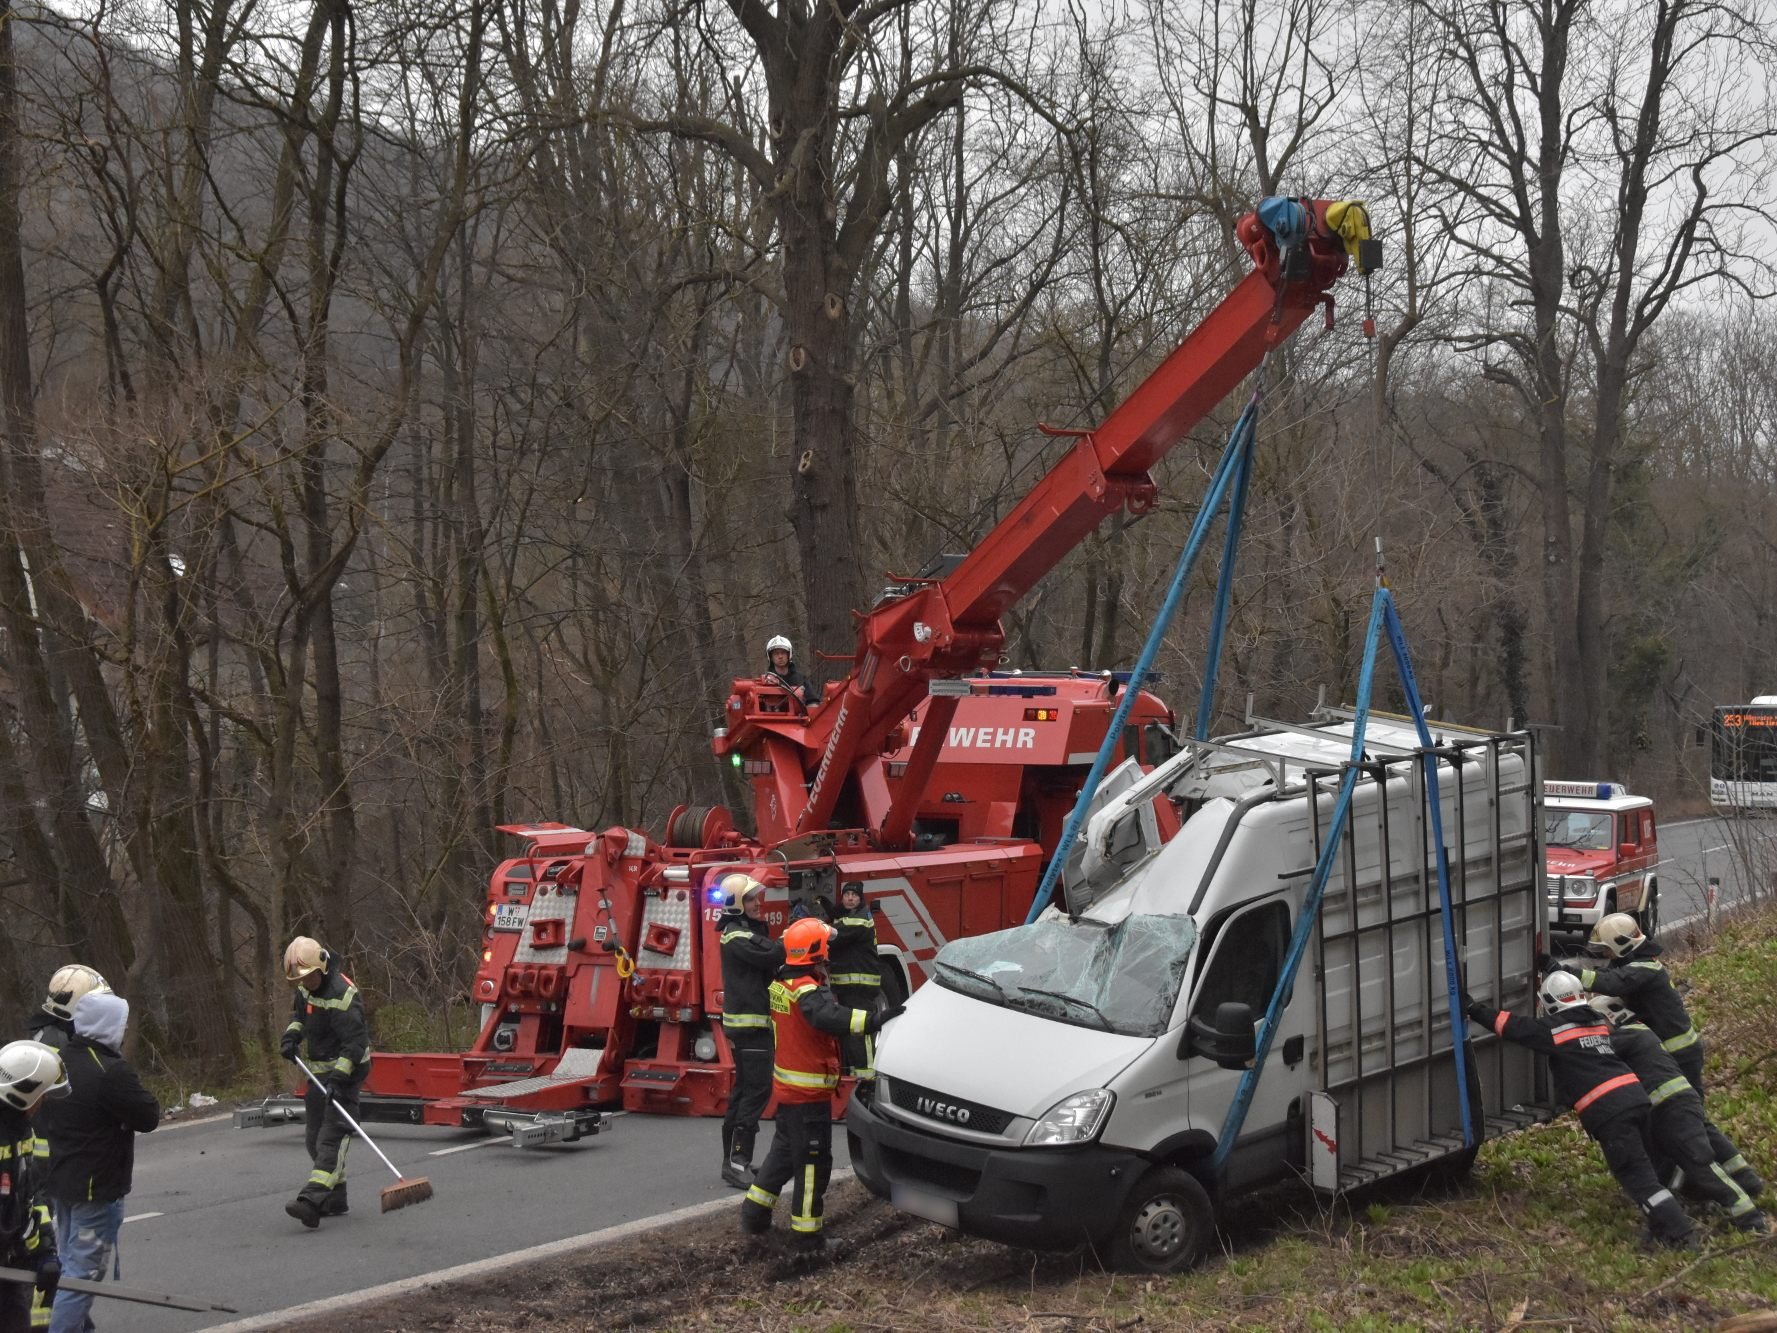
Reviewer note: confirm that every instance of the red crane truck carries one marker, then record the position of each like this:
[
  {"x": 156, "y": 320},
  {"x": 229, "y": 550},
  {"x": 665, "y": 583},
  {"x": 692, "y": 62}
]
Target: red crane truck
[{"x": 938, "y": 783}]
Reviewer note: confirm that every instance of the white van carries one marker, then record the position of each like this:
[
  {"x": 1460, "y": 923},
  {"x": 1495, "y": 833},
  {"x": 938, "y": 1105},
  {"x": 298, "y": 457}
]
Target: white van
[{"x": 1070, "y": 1080}]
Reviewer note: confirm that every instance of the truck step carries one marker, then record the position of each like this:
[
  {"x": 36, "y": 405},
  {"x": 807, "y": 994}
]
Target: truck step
[{"x": 1405, "y": 1157}]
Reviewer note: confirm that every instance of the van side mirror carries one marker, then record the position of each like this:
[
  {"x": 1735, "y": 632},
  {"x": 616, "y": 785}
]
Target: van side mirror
[
  {"x": 1627, "y": 849},
  {"x": 1229, "y": 1041}
]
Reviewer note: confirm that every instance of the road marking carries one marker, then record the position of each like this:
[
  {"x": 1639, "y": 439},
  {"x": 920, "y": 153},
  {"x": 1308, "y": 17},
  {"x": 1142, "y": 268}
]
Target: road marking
[
  {"x": 499, "y": 1263},
  {"x": 468, "y": 1147},
  {"x": 143, "y": 1217}
]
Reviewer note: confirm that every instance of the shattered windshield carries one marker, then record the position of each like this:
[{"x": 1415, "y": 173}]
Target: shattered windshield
[{"x": 1123, "y": 978}]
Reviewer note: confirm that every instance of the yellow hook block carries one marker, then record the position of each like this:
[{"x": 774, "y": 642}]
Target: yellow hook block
[{"x": 1351, "y": 220}]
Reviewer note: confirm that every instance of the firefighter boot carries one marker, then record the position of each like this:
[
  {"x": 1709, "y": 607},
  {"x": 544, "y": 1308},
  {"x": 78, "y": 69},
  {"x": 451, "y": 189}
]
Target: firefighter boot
[
  {"x": 738, "y": 1172},
  {"x": 1744, "y": 1176},
  {"x": 336, "y": 1203},
  {"x": 1669, "y": 1227},
  {"x": 304, "y": 1212}
]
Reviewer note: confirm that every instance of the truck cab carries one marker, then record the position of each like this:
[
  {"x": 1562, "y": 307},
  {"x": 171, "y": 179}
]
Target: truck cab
[
  {"x": 1074, "y": 1079},
  {"x": 1601, "y": 850}
]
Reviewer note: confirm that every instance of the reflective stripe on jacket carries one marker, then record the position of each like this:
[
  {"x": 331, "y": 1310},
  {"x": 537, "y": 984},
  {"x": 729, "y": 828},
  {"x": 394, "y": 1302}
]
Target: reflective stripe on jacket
[
  {"x": 808, "y": 1023},
  {"x": 750, "y": 958},
  {"x": 331, "y": 1020}
]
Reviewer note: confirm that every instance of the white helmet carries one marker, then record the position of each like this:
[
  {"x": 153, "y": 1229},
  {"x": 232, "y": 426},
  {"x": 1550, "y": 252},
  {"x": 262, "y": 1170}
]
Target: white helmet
[
  {"x": 1613, "y": 1008},
  {"x": 302, "y": 957},
  {"x": 29, "y": 1072},
  {"x": 68, "y": 985},
  {"x": 778, "y": 641},
  {"x": 1618, "y": 934},
  {"x": 1561, "y": 990},
  {"x": 737, "y": 886}
]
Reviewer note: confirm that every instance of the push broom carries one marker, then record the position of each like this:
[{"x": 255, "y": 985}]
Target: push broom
[{"x": 406, "y": 1189}]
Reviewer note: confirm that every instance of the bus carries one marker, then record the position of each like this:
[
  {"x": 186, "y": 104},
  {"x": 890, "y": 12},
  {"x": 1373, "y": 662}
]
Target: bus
[{"x": 1743, "y": 756}]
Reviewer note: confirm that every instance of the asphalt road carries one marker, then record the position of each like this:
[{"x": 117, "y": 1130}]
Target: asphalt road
[
  {"x": 1695, "y": 850},
  {"x": 206, "y": 1217}
]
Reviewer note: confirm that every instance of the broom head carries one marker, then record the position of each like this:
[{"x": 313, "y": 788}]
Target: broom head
[{"x": 414, "y": 1189}]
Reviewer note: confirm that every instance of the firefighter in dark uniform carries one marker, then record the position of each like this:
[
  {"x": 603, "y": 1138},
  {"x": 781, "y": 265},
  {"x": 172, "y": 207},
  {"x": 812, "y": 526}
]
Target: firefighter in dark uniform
[
  {"x": 327, "y": 1013},
  {"x": 1636, "y": 976},
  {"x": 750, "y": 959},
  {"x": 1680, "y": 1135},
  {"x": 855, "y": 975},
  {"x": 29, "y": 1072},
  {"x": 805, "y": 1072},
  {"x": 1612, "y": 1105}
]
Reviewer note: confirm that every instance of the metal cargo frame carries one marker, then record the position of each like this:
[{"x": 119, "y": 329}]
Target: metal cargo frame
[{"x": 1387, "y": 1101}]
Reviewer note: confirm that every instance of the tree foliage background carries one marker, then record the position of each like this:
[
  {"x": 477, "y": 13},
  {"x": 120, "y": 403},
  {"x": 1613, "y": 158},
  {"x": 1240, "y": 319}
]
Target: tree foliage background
[{"x": 415, "y": 412}]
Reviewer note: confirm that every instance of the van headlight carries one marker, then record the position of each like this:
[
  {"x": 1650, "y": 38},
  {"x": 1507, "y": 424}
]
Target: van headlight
[{"x": 1075, "y": 1119}]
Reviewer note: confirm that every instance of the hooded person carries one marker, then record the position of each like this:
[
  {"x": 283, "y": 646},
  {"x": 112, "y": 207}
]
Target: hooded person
[
  {"x": 53, "y": 1023},
  {"x": 92, "y": 1148}
]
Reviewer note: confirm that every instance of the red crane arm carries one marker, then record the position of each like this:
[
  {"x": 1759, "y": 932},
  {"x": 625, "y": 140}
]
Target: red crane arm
[{"x": 950, "y": 627}]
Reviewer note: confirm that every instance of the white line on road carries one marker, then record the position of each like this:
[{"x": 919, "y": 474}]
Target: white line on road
[
  {"x": 498, "y": 1263},
  {"x": 468, "y": 1147},
  {"x": 143, "y": 1217}
]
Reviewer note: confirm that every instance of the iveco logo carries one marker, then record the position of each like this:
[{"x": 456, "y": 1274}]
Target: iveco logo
[{"x": 937, "y": 1110}]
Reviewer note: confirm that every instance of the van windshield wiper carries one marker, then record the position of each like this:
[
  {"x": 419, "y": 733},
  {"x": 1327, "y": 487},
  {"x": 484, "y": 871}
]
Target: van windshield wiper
[
  {"x": 987, "y": 981},
  {"x": 1069, "y": 999}
]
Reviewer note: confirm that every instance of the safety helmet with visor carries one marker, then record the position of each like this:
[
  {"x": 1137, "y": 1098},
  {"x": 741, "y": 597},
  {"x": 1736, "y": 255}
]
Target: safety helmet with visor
[{"x": 30, "y": 1072}]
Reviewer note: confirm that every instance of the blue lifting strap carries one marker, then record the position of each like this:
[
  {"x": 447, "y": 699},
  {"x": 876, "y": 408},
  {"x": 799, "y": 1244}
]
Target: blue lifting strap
[
  {"x": 1228, "y": 468},
  {"x": 1382, "y": 614}
]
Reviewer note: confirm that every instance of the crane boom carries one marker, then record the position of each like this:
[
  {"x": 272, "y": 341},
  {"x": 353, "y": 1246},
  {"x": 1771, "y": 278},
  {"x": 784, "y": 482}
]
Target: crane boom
[{"x": 950, "y": 626}]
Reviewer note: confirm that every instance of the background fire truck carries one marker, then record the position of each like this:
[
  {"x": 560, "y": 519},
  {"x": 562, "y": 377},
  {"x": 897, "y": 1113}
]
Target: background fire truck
[{"x": 1600, "y": 850}]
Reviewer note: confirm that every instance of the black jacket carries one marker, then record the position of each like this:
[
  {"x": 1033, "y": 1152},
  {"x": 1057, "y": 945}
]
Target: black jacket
[
  {"x": 331, "y": 1020},
  {"x": 791, "y": 678},
  {"x": 27, "y": 1236},
  {"x": 1639, "y": 1048},
  {"x": 851, "y": 955},
  {"x": 750, "y": 959},
  {"x": 92, "y": 1131},
  {"x": 50, "y": 1029},
  {"x": 1588, "y": 1074},
  {"x": 1642, "y": 982}
]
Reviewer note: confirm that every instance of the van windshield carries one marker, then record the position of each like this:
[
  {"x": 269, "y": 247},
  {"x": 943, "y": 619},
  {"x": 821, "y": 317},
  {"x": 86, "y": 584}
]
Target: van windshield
[
  {"x": 1576, "y": 830},
  {"x": 1121, "y": 978}
]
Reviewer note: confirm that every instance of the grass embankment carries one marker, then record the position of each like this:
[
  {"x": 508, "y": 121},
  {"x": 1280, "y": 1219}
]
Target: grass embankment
[{"x": 1540, "y": 1238}]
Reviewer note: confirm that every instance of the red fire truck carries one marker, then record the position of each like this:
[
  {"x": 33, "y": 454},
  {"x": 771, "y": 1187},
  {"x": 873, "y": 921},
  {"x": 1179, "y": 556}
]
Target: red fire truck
[{"x": 938, "y": 782}]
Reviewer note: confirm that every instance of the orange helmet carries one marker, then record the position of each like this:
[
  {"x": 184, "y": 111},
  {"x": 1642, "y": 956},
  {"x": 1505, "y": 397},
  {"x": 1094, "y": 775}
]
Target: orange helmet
[{"x": 805, "y": 942}]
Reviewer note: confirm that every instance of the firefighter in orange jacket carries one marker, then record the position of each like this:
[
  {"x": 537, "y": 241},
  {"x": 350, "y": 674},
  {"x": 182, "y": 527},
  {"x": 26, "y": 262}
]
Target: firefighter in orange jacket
[{"x": 807, "y": 1022}]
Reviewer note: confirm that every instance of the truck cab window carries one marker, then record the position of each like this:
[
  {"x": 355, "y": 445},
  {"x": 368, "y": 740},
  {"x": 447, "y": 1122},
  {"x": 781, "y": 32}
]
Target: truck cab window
[{"x": 1248, "y": 958}]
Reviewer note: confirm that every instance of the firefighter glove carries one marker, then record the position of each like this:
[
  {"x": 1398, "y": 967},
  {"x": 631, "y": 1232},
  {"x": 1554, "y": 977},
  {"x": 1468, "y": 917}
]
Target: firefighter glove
[
  {"x": 291, "y": 1044},
  {"x": 49, "y": 1277},
  {"x": 894, "y": 1012},
  {"x": 1544, "y": 962},
  {"x": 1573, "y": 965}
]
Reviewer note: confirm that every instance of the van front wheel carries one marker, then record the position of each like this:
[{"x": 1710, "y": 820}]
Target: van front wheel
[{"x": 1165, "y": 1224}]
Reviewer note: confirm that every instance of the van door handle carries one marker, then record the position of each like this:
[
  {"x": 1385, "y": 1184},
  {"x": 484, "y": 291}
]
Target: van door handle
[{"x": 1292, "y": 1050}]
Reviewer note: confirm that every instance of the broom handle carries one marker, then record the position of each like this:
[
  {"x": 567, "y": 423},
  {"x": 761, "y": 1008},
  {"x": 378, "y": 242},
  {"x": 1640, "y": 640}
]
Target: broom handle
[{"x": 346, "y": 1116}]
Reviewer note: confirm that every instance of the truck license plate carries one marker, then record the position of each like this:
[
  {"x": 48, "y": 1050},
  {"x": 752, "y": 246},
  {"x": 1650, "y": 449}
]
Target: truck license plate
[
  {"x": 509, "y": 916},
  {"x": 921, "y": 1203}
]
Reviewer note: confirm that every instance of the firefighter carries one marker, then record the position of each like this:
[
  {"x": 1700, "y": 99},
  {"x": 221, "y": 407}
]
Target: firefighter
[
  {"x": 1636, "y": 975},
  {"x": 1612, "y": 1105},
  {"x": 1679, "y": 1132},
  {"x": 92, "y": 1148},
  {"x": 805, "y": 1072},
  {"x": 780, "y": 664},
  {"x": 750, "y": 959},
  {"x": 326, "y": 1012},
  {"x": 53, "y": 1024},
  {"x": 29, "y": 1072},
  {"x": 855, "y": 975}
]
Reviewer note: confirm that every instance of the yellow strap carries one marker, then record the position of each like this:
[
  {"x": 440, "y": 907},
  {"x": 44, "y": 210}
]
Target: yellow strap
[
  {"x": 797, "y": 1079},
  {"x": 746, "y": 1020}
]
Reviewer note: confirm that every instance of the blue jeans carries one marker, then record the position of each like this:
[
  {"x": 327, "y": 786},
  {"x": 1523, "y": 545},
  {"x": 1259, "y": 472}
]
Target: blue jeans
[{"x": 86, "y": 1240}]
